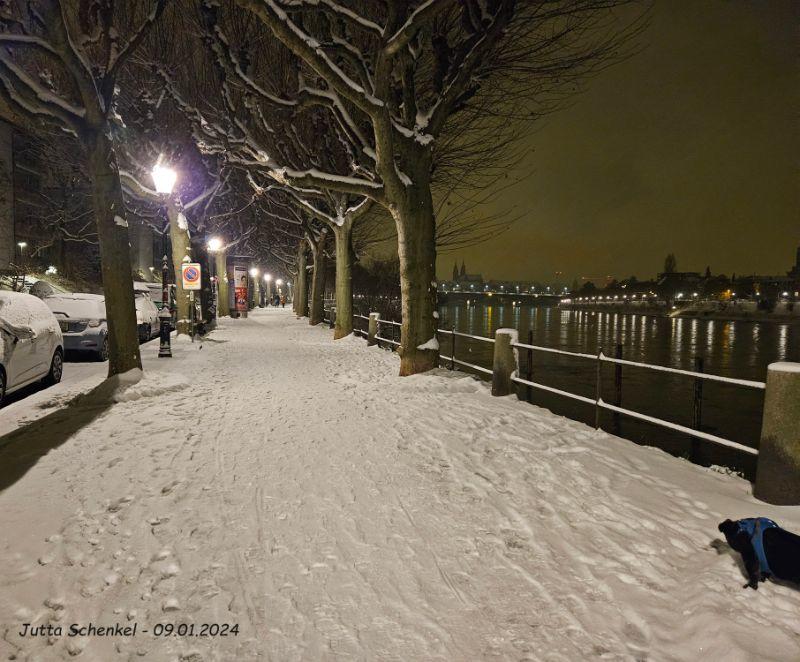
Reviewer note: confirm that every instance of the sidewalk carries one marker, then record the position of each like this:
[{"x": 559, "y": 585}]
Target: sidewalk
[{"x": 298, "y": 488}]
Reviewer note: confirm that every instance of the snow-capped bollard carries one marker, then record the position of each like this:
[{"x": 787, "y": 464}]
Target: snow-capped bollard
[
  {"x": 332, "y": 319},
  {"x": 506, "y": 361},
  {"x": 374, "y": 318},
  {"x": 778, "y": 472}
]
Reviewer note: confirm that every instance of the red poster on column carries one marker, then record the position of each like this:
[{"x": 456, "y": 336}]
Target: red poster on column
[{"x": 240, "y": 288}]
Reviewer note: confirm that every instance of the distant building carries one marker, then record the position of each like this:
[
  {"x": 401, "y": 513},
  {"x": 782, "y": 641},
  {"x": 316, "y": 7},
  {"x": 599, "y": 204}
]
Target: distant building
[
  {"x": 795, "y": 271},
  {"x": 463, "y": 281}
]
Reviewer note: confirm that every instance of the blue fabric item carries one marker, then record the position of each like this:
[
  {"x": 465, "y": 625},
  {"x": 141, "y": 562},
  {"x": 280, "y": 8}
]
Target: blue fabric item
[{"x": 755, "y": 527}]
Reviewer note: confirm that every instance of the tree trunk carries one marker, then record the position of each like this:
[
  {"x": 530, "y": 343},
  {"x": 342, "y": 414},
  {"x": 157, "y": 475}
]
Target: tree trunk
[
  {"x": 317, "y": 305},
  {"x": 115, "y": 256},
  {"x": 181, "y": 247},
  {"x": 416, "y": 239},
  {"x": 344, "y": 280},
  {"x": 301, "y": 289},
  {"x": 221, "y": 269}
]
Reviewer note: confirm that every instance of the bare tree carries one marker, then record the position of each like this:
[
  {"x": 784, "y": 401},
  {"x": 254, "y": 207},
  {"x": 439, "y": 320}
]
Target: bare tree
[
  {"x": 59, "y": 63},
  {"x": 407, "y": 84}
]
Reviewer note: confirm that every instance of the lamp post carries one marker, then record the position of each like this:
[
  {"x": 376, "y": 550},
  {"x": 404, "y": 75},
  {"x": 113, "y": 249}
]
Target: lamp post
[
  {"x": 164, "y": 179},
  {"x": 254, "y": 278},
  {"x": 165, "y": 314},
  {"x": 214, "y": 244},
  {"x": 22, "y": 245},
  {"x": 268, "y": 281}
]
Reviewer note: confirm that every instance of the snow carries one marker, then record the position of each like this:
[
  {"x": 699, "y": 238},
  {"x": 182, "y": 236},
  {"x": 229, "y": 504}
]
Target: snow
[
  {"x": 784, "y": 366},
  {"x": 274, "y": 478},
  {"x": 183, "y": 224},
  {"x": 120, "y": 221},
  {"x": 433, "y": 343},
  {"x": 24, "y": 316}
]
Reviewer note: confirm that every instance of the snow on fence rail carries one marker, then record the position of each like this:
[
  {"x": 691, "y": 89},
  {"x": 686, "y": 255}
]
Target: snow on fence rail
[{"x": 452, "y": 361}]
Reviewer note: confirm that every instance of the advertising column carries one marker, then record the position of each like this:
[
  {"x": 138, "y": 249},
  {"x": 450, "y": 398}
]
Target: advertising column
[{"x": 240, "y": 282}]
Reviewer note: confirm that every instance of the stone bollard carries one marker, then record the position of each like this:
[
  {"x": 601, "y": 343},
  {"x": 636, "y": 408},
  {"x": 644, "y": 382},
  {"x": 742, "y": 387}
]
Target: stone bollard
[
  {"x": 373, "y": 328},
  {"x": 506, "y": 361},
  {"x": 778, "y": 471},
  {"x": 333, "y": 317}
]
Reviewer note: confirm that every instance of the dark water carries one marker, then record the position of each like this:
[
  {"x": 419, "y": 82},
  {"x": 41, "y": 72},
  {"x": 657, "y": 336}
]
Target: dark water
[{"x": 731, "y": 348}]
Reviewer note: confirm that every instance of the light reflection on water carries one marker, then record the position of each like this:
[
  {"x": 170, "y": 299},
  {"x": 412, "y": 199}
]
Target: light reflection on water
[{"x": 732, "y": 348}]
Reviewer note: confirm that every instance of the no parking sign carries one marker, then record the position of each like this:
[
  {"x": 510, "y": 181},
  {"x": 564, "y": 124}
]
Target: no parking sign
[{"x": 190, "y": 273}]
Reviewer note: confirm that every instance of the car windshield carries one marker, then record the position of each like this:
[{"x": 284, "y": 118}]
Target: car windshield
[
  {"x": 142, "y": 300},
  {"x": 75, "y": 308}
]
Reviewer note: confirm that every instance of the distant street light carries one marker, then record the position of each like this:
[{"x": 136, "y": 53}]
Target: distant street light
[
  {"x": 22, "y": 245},
  {"x": 214, "y": 244},
  {"x": 164, "y": 178}
]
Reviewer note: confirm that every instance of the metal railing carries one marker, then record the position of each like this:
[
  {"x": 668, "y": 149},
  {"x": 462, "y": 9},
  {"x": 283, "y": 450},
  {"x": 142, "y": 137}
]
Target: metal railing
[
  {"x": 451, "y": 361},
  {"x": 601, "y": 404}
]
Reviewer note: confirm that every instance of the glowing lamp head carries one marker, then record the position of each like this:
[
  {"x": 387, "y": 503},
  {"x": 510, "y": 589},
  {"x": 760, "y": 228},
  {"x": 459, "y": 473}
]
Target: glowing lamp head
[
  {"x": 254, "y": 272},
  {"x": 214, "y": 244},
  {"x": 22, "y": 244},
  {"x": 279, "y": 282},
  {"x": 267, "y": 278},
  {"x": 164, "y": 178}
]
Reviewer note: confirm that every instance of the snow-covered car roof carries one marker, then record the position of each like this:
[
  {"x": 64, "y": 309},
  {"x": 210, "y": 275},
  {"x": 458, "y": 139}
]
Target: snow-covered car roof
[
  {"x": 78, "y": 305},
  {"x": 25, "y": 315}
]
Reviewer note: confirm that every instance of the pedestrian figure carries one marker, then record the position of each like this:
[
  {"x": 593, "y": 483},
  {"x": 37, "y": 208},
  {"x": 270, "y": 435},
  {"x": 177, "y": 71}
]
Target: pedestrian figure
[{"x": 283, "y": 301}]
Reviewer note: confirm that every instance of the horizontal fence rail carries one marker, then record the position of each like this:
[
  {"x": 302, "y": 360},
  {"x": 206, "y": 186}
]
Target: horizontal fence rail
[{"x": 597, "y": 401}]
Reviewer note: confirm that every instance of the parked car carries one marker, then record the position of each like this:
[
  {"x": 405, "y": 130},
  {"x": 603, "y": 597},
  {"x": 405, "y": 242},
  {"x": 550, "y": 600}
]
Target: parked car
[
  {"x": 147, "y": 319},
  {"x": 82, "y": 318},
  {"x": 31, "y": 345}
]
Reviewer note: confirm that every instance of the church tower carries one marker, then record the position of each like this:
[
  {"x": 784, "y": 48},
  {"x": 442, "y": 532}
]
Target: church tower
[
  {"x": 455, "y": 270},
  {"x": 463, "y": 269}
]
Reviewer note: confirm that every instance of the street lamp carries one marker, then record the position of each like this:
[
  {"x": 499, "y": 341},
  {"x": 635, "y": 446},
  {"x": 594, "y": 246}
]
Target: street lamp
[
  {"x": 214, "y": 245},
  {"x": 165, "y": 314},
  {"x": 256, "y": 295},
  {"x": 164, "y": 178}
]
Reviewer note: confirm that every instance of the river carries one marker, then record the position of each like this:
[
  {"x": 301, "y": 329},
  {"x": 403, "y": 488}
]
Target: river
[{"x": 730, "y": 348}]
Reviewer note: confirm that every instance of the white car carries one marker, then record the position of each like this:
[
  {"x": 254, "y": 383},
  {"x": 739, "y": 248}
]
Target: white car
[
  {"x": 147, "y": 320},
  {"x": 31, "y": 346},
  {"x": 82, "y": 318}
]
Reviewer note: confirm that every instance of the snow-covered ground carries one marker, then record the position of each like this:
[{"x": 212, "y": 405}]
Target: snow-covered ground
[{"x": 297, "y": 487}]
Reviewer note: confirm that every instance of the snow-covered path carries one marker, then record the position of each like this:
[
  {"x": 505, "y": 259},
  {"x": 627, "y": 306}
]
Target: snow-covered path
[{"x": 297, "y": 487}]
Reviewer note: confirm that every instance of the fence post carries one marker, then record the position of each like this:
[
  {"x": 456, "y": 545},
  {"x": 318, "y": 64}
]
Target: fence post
[
  {"x": 374, "y": 318},
  {"x": 505, "y": 364},
  {"x": 697, "y": 408},
  {"x": 778, "y": 471},
  {"x": 529, "y": 366},
  {"x": 453, "y": 347},
  {"x": 598, "y": 389},
  {"x": 332, "y": 318},
  {"x": 617, "y": 388}
]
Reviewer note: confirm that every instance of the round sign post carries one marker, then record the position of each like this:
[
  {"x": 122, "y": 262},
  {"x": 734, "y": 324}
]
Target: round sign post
[{"x": 191, "y": 275}]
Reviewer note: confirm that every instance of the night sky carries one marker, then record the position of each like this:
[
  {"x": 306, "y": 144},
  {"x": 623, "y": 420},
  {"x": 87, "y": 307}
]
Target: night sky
[{"x": 691, "y": 146}]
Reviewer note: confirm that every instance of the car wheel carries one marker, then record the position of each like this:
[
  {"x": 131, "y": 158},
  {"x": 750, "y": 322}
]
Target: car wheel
[
  {"x": 56, "y": 369},
  {"x": 143, "y": 331},
  {"x": 102, "y": 355},
  {"x": 2, "y": 386}
]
